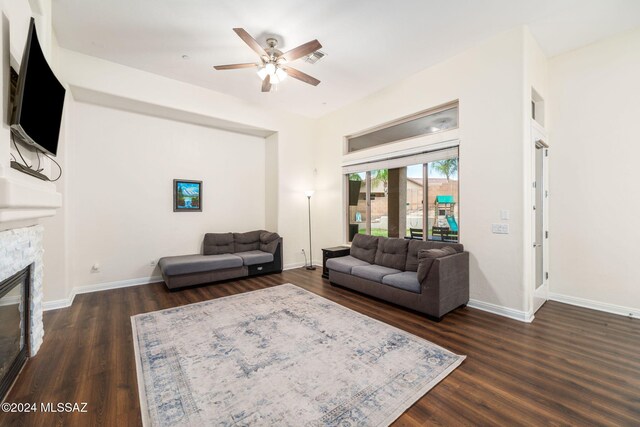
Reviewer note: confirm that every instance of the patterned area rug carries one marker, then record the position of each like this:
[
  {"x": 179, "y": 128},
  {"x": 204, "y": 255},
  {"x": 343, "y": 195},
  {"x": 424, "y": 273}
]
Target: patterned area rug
[{"x": 279, "y": 356}]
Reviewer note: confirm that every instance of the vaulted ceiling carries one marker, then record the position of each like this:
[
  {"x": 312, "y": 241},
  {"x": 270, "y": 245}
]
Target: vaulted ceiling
[{"x": 369, "y": 43}]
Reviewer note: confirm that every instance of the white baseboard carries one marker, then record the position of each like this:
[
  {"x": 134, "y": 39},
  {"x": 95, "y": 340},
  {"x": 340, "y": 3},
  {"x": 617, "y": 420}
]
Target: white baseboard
[
  {"x": 66, "y": 302},
  {"x": 59, "y": 303},
  {"x": 293, "y": 266},
  {"x": 511, "y": 313},
  {"x": 117, "y": 284},
  {"x": 10, "y": 300},
  {"x": 596, "y": 305},
  {"x": 300, "y": 265}
]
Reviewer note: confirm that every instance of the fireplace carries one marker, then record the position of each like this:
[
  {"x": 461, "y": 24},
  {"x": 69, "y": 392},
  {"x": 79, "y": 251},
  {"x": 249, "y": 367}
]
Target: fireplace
[
  {"x": 21, "y": 274},
  {"x": 14, "y": 327}
]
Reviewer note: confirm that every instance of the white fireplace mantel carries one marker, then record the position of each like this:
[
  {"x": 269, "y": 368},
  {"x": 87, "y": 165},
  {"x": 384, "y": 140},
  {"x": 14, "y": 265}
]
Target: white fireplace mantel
[{"x": 26, "y": 198}]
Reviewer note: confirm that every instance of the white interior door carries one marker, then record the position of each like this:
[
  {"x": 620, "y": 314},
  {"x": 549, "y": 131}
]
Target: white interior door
[{"x": 540, "y": 218}]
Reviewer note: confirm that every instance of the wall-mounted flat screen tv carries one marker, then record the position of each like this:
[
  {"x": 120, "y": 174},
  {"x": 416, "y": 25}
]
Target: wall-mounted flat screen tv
[{"x": 39, "y": 99}]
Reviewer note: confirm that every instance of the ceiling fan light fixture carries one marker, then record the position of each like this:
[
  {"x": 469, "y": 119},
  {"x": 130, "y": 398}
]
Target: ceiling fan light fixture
[
  {"x": 262, "y": 73},
  {"x": 281, "y": 74},
  {"x": 270, "y": 68}
]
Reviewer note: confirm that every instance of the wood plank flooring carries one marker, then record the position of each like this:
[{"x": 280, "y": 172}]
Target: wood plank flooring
[{"x": 571, "y": 366}]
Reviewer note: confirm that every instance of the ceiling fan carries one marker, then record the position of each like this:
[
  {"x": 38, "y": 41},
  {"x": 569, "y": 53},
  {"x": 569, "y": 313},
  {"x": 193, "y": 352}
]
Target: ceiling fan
[{"x": 272, "y": 67}]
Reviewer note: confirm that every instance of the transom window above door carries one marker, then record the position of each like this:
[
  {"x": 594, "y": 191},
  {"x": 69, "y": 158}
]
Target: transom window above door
[{"x": 434, "y": 120}]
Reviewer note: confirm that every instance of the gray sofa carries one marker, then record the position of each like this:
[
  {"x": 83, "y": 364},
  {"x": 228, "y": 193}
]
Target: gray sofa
[
  {"x": 225, "y": 256},
  {"x": 429, "y": 277}
]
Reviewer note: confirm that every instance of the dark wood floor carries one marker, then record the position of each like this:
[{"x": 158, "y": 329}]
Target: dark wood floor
[{"x": 571, "y": 366}]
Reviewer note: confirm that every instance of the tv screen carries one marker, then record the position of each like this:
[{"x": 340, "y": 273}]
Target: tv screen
[{"x": 39, "y": 99}]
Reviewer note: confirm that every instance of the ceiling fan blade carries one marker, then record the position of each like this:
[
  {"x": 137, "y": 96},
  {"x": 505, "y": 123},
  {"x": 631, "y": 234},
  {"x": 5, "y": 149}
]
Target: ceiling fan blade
[
  {"x": 253, "y": 44},
  {"x": 235, "y": 66},
  {"x": 302, "y": 50},
  {"x": 266, "y": 84},
  {"x": 301, "y": 76}
]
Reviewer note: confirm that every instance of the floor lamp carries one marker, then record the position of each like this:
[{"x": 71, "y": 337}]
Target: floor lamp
[{"x": 309, "y": 193}]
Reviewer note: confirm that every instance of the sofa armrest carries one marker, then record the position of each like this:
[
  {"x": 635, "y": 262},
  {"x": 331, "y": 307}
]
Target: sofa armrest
[
  {"x": 446, "y": 283},
  {"x": 271, "y": 246},
  {"x": 276, "y": 249}
]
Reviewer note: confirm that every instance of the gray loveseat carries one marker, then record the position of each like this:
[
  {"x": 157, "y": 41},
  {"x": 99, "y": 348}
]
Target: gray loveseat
[
  {"x": 225, "y": 256},
  {"x": 429, "y": 277}
]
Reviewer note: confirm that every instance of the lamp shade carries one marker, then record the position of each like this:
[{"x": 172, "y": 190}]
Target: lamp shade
[{"x": 309, "y": 193}]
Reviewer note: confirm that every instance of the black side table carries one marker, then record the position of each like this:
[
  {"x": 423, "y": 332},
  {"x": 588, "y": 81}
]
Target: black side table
[{"x": 336, "y": 252}]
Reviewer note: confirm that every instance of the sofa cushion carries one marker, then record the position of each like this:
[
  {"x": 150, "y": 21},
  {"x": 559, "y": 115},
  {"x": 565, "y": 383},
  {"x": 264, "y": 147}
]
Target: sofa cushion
[
  {"x": 373, "y": 272},
  {"x": 364, "y": 247},
  {"x": 218, "y": 243},
  {"x": 407, "y": 280},
  {"x": 249, "y": 241},
  {"x": 344, "y": 264},
  {"x": 186, "y": 264},
  {"x": 436, "y": 253},
  {"x": 392, "y": 253},
  {"x": 426, "y": 257},
  {"x": 269, "y": 242},
  {"x": 268, "y": 237},
  {"x": 417, "y": 245},
  {"x": 255, "y": 257}
]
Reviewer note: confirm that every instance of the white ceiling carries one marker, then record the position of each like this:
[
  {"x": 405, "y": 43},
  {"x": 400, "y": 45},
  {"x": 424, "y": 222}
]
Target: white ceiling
[{"x": 369, "y": 43}]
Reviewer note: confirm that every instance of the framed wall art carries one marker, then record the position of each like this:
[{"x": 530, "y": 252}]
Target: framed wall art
[{"x": 187, "y": 195}]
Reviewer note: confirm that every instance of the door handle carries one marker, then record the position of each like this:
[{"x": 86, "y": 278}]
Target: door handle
[{"x": 537, "y": 245}]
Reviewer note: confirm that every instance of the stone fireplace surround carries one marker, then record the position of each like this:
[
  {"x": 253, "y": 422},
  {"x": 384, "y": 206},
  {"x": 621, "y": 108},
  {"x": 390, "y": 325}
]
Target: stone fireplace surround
[{"x": 19, "y": 248}]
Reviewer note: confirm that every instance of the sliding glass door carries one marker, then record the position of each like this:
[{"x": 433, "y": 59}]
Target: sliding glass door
[{"x": 414, "y": 197}]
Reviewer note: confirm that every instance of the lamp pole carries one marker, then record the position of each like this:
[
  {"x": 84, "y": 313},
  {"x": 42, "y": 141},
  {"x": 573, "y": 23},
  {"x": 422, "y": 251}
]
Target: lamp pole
[{"x": 310, "y": 266}]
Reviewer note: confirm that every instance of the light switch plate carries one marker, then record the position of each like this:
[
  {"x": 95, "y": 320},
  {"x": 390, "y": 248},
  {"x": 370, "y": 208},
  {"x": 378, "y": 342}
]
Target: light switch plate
[
  {"x": 505, "y": 214},
  {"x": 500, "y": 228}
]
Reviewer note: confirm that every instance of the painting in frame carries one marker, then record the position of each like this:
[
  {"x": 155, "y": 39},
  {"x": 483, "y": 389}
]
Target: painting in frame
[{"x": 187, "y": 195}]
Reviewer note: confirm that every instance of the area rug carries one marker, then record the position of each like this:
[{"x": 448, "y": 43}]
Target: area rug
[{"x": 279, "y": 356}]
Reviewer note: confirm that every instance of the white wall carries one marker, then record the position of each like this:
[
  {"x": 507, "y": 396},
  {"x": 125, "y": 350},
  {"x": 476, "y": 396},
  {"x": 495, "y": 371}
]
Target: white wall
[
  {"x": 488, "y": 81},
  {"x": 56, "y": 282},
  {"x": 595, "y": 225},
  {"x": 120, "y": 190},
  {"x": 98, "y": 141}
]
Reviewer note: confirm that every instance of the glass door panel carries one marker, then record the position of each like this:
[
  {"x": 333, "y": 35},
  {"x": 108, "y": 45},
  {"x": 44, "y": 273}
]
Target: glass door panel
[
  {"x": 357, "y": 192},
  {"x": 415, "y": 202},
  {"x": 442, "y": 200},
  {"x": 379, "y": 202}
]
